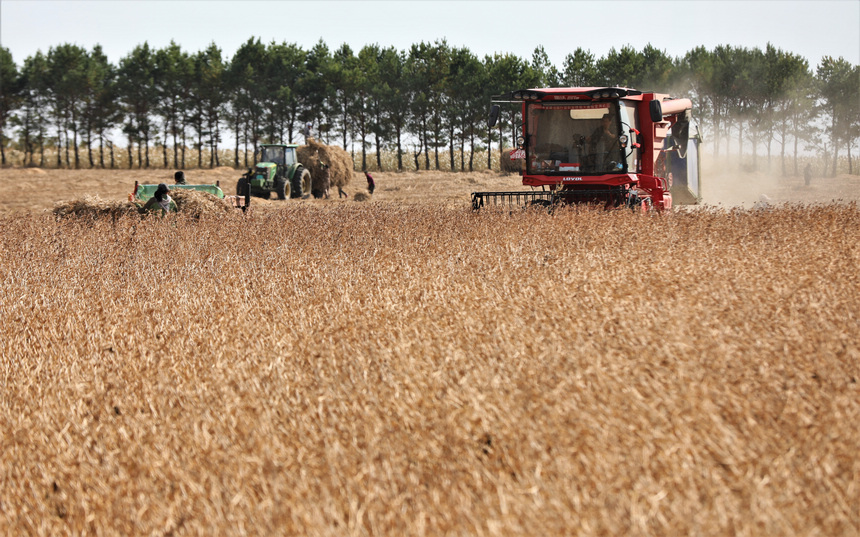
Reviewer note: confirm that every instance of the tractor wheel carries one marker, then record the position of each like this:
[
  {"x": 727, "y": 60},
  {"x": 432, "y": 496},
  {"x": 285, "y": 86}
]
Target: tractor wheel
[
  {"x": 241, "y": 186},
  {"x": 301, "y": 184},
  {"x": 296, "y": 184},
  {"x": 306, "y": 182},
  {"x": 282, "y": 188}
]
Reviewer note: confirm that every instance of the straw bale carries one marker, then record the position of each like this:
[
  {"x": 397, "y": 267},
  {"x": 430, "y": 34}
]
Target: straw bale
[
  {"x": 361, "y": 196},
  {"x": 193, "y": 203},
  {"x": 196, "y": 203},
  {"x": 95, "y": 208},
  {"x": 337, "y": 158}
]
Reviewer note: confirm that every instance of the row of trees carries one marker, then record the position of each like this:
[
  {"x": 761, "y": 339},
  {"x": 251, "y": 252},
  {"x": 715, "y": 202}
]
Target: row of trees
[{"x": 419, "y": 101}]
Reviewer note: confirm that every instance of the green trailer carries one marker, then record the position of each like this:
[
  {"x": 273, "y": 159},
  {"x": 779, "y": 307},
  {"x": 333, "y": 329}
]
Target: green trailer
[{"x": 143, "y": 193}]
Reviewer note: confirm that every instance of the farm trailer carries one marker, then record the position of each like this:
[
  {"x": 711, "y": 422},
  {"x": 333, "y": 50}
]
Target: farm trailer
[
  {"x": 608, "y": 146},
  {"x": 143, "y": 193}
]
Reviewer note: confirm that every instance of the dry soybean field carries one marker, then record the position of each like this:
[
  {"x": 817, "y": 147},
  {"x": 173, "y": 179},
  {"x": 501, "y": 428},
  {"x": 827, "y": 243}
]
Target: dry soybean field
[{"x": 392, "y": 368}]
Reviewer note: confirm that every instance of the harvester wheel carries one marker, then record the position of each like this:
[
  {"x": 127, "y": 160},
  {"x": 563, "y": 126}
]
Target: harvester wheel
[{"x": 282, "y": 188}]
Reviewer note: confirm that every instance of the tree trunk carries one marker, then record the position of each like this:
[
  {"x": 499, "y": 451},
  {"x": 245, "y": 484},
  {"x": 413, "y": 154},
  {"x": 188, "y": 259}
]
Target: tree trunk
[
  {"x": 471, "y": 148},
  {"x": 164, "y": 145},
  {"x": 426, "y": 145},
  {"x": 236, "y": 134},
  {"x": 717, "y": 132},
  {"x": 75, "y": 143},
  {"x": 59, "y": 149},
  {"x": 378, "y": 152},
  {"x": 489, "y": 148},
  {"x": 501, "y": 141},
  {"x": 834, "y": 141},
  {"x": 451, "y": 149},
  {"x": 175, "y": 148},
  {"x": 398, "y": 130},
  {"x": 90, "y": 148}
]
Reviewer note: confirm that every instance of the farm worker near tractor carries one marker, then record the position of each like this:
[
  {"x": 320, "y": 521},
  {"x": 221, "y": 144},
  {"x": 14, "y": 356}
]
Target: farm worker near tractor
[
  {"x": 326, "y": 179},
  {"x": 159, "y": 199},
  {"x": 370, "y": 184},
  {"x": 179, "y": 177}
]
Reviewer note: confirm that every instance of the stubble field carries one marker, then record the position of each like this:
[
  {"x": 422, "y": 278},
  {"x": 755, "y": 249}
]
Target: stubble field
[{"x": 404, "y": 366}]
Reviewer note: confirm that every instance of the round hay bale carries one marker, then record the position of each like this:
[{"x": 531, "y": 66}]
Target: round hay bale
[
  {"x": 196, "y": 203},
  {"x": 95, "y": 208},
  {"x": 361, "y": 196},
  {"x": 338, "y": 160},
  {"x": 509, "y": 166}
]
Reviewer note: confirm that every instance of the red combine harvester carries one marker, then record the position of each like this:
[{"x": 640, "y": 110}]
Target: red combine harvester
[{"x": 614, "y": 147}]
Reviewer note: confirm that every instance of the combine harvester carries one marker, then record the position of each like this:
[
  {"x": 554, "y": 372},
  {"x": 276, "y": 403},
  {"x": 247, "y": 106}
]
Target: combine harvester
[{"x": 615, "y": 147}]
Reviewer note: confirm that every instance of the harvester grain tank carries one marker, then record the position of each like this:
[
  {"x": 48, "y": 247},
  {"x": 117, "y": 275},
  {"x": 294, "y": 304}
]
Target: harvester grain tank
[{"x": 609, "y": 146}]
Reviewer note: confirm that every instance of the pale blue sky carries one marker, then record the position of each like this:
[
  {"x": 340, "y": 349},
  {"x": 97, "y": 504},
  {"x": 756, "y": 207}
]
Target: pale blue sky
[{"x": 809, "y": 28}]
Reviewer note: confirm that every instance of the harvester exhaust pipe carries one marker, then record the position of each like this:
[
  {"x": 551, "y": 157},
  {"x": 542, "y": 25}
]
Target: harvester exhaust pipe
[{"x": 494, "y": 116}]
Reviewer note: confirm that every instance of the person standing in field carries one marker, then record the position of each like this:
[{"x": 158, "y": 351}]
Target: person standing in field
[
  {"x": 807, "y": 174},
  {"x": 179, "y": 177},
  {"x": 160, "y": 199},
  {"x": 371, "y": 185},
  {"x": 326, "y": 179},
  {"x": 341, "y": 193}
]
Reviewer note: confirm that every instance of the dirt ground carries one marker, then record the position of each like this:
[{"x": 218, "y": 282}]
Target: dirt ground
[{"x": 35, "y": 189}]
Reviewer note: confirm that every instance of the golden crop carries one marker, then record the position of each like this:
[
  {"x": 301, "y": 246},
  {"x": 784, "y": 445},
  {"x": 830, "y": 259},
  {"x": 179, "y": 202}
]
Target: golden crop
[{"x": 377, "y": 369}]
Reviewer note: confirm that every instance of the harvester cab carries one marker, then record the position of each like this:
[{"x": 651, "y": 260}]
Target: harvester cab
[
  {"x": 278, "y": 170},
  {"x": 609, "y": 146}
]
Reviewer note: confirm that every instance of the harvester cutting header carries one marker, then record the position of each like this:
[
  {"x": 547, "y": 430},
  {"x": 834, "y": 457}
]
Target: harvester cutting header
[{"x": 611, "y": 146}]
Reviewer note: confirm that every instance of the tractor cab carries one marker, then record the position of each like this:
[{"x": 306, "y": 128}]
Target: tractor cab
[
  {"x": 282, "y": 155},
  {"x": 278, "y": 170}
]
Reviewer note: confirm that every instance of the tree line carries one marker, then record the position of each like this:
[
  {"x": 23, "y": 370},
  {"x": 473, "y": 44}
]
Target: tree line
[{"x": 414, "y": 102}]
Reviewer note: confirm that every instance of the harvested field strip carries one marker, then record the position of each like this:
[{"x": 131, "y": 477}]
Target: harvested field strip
[{"x": 371, "y": 369}]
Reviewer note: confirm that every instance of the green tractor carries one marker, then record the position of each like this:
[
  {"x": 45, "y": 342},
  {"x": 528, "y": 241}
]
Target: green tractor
[{"x": 277, "y": 170}]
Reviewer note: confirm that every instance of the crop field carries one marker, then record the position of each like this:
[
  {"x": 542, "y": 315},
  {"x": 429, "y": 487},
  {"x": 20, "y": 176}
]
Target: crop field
[{"x": 404, "y": 366}]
